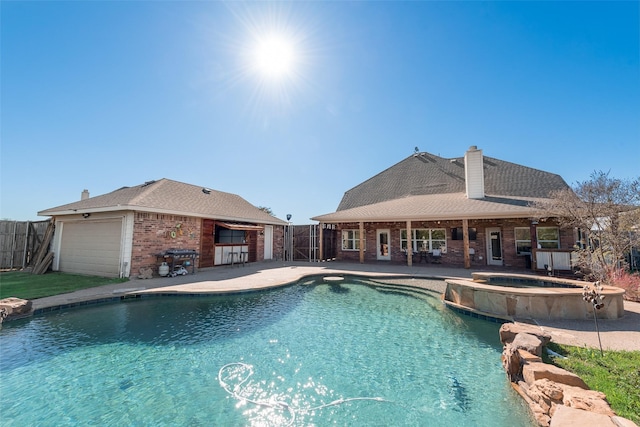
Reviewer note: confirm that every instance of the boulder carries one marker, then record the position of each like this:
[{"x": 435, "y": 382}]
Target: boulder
[
  {"x": 145, "y": 273},
  {"x": 623, "y": 422},
  {"x": 514, "y": 357},
  {"x": 15, "y": 307},
  {"x": 539, "y": 413},
  {"x": 527, "y": 357},
  {"x": 528, "y": 342},
  {"x": 588, "y": 400},
  {"x": 512, "y": 363},
  {"x": 541, "y": 400},
  {"x": 531, "y": 372},
  {"x": 553, "y": 391},
  {"x": 541, "y": 417},
  {"x": 508, "y": 332},
  {"x": 566, "y": 416},
  {"x": 556, "y": 397},
  {"x": 546, "y": 395}
]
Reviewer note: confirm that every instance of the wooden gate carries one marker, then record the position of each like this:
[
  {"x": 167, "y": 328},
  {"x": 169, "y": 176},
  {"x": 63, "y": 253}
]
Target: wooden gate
[
  {"x": 19, "y": 242},
  {"x": 306, "y": 242}
]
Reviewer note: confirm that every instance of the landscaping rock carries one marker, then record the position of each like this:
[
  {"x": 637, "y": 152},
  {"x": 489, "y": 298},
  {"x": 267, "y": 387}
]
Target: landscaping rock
[
  {"x": 556, "y": 397},
  {"x": 512, "y": 362},
  {"x": 524, "y": 348},
  {"x": 15, "y": 307},
  {"x": 566, "y": 416},
  {"x": 508, "y": 332},
  {"x": 531, "y": 372},
  {"x": 623, "y": 422},
  {"x": 588, "y": 400},
  {"x": 528, "y": 342},
  {"x": 527, "y": 357},
  {"x": 550, "y": 389},
  {"x": 539, "y": 413},
  {"x": 145, "y": 273}
]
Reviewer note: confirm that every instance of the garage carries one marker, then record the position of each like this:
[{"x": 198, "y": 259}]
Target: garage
[{"x": 91, "y": 247}]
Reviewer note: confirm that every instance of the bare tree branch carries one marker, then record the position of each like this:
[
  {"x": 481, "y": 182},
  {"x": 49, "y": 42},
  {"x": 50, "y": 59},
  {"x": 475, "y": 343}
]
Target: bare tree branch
[{"x": 608, "y": 211}]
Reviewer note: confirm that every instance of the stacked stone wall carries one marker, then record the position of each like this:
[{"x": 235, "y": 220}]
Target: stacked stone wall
[{"x": 556, "y": 397}]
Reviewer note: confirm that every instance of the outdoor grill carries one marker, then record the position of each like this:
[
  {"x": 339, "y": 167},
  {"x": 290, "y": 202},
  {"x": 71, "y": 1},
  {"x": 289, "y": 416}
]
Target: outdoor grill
[{"x": 178, "y": 257}]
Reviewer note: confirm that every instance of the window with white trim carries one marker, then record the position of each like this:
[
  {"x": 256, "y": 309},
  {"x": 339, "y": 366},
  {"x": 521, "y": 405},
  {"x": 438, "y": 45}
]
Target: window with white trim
[
  {"x": 548, "y": 237},
  {"x": 351, "y": 240},
  {"x": 523, "y": 240},
  {"x": 425, "y": 239}
]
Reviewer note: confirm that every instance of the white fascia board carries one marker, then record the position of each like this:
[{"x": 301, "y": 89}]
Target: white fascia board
[
  {"x": 275, "y": 221},
  {"x": 496, "y": 215}
]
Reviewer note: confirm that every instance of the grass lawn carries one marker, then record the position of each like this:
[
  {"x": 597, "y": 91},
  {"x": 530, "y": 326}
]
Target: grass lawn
[
  {"x": 616, "y": 374},
  {"x": 30, "y": 286}
]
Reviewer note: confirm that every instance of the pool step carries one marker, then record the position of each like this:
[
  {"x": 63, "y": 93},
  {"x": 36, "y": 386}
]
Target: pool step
[{"x": 402, "y": 289}]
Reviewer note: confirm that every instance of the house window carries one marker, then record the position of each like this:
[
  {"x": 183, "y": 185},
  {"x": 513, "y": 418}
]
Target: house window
[
  {"x": 351, "y": 240},
  {"x": 426, "y": 239},
  {"x": 548, "y": 237},
  {"x": 458, "y": 234},
  {"x": 523, "y": 240},
  {"x": 224, "y": 235}
]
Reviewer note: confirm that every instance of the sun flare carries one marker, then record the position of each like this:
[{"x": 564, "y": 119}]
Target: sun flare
[
  {"x": 275, "y": 53},
  {"x": 274, "y": 56}
]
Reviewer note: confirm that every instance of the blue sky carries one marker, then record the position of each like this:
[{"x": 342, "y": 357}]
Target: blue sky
[{"x": 105, "y": 94}]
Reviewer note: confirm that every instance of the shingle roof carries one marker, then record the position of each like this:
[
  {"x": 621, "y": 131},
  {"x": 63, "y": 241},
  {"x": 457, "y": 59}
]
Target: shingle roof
[
  {"x": 430, "y": 207},
  {"x": 425, "y": 173},
  {"x": 171, "y": 197}
]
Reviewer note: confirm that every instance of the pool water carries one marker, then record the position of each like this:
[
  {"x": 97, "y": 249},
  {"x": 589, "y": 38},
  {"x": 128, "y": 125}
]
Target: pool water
[
  {"x": 311, "y": 354},
  {"x": 517, "y": 282}
]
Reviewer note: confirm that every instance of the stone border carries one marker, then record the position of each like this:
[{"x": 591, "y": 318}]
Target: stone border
[
  {"x": 555, "y": 396},
  {"x": 14, "y": 308}
]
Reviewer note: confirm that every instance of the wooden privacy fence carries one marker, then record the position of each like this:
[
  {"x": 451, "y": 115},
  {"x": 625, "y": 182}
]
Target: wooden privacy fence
[{"x": 19, "y": 242}]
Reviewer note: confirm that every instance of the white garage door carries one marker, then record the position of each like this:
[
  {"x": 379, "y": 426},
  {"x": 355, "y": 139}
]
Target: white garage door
[{"x": 91, "y": 247}]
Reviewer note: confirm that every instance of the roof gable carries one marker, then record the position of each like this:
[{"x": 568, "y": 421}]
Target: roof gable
[
  {"x": 425, "y": 174},
  {"x": 170, "y": 196}
]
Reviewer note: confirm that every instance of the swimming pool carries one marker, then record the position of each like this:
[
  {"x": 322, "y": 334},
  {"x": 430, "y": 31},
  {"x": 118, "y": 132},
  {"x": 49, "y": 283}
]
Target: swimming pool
[{"x": 312, "y": 354}]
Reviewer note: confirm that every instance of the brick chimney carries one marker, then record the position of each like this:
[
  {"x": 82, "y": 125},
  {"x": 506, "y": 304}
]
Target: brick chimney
[
  {"x": 84, "y": 195},
  {"x": 474, "y": 173}
]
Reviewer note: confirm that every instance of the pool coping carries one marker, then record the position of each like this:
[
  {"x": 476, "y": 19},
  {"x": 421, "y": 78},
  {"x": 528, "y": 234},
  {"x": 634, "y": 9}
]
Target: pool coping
[
  {"x": 139, "y": 293},
  {"x": 223, "y": 280}
]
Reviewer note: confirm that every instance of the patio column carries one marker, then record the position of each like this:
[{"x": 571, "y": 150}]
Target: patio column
[
  {"x": 361, "y": 242},
  {"x": 409, "y": 245},
  {"x": 534, "y": 244},
  {"x": 465, "y": 240}
]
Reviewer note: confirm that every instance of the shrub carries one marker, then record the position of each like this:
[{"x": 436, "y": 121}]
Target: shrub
[{"x": 630, "y": 282}]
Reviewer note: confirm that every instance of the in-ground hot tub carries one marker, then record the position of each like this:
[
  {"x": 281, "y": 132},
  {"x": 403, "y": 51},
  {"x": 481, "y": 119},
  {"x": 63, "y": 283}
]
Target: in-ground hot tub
[{"x": 520, "y": 296}]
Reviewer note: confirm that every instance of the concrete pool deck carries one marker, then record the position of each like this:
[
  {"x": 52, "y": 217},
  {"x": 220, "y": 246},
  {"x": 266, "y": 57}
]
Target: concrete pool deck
[{"x": 619, "y": 334}]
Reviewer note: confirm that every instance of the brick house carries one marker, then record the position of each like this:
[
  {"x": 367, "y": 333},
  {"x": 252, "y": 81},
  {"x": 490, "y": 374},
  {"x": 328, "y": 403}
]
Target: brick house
[
  {"x": 469, "y": 211},
  {"x": 118, "y": 233}
]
